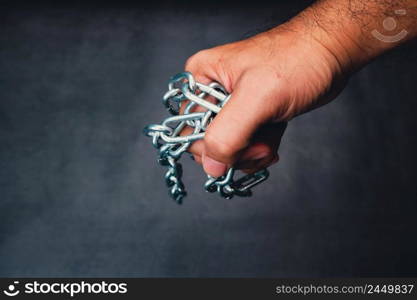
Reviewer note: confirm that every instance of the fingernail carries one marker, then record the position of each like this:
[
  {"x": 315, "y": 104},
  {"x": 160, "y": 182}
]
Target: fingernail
[
  {"x": 260, "y": 155},
  {"x": 213, "y": 167}
]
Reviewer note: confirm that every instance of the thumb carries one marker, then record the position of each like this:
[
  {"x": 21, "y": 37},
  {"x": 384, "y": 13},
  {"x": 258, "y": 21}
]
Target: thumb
[{"x": 230, "y": 132}]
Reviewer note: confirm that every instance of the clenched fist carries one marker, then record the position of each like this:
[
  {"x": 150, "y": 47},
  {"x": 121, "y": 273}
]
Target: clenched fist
[{"x": 279, "y": 74}]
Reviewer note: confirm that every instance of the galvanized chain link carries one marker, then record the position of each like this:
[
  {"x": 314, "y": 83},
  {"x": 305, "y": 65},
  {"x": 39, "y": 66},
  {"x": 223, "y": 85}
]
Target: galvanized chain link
[{"x": 183, "y": 90}]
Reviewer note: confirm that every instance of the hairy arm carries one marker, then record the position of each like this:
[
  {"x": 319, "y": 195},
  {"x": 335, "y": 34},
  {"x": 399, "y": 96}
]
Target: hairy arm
[{"x": 357, "y": 31}]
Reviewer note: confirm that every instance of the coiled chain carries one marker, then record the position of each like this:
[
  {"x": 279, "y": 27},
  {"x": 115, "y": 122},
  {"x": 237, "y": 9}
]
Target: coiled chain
[{"x": 171, "y": 145}]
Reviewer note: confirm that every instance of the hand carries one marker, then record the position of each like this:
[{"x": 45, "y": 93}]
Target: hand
[{"x": 273, "y": 77}]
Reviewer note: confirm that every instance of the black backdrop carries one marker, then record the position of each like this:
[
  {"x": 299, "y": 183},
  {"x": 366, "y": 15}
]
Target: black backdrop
[{"x": 82, "y": 195}]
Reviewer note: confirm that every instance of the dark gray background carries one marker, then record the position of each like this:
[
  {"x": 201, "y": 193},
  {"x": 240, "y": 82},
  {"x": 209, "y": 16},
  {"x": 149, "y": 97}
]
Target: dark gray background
[{"x": 82, "y": 195}]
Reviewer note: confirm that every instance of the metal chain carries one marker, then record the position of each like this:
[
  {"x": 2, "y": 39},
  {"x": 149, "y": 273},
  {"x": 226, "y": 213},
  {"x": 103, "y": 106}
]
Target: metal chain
[{"x": 183, "y": 90}]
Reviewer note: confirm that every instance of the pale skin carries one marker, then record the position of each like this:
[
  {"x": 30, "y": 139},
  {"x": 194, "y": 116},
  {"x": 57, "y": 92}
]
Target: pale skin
[{"x": 289, "y": 70}]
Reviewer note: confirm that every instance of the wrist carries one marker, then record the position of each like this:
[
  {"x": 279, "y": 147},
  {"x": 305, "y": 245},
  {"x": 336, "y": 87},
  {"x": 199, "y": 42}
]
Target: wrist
[{"x": 341, "y": 42}]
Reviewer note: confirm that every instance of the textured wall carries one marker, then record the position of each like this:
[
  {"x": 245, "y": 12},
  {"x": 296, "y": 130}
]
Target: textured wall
[{"x": 82, "y": 195}]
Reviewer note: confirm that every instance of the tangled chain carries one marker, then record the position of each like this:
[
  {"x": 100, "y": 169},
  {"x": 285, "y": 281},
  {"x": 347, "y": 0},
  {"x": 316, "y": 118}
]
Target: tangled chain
[{"x": 171, "y": 145}]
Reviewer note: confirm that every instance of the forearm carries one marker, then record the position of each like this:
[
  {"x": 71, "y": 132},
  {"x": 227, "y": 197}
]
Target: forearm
[{"x": 356, "y": 31}]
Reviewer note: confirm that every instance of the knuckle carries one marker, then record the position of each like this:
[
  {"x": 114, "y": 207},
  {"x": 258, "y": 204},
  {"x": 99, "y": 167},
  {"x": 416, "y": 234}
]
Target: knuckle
[
  {"x": 196, "y": 59},
  {"x": 189, "y": 63}
]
